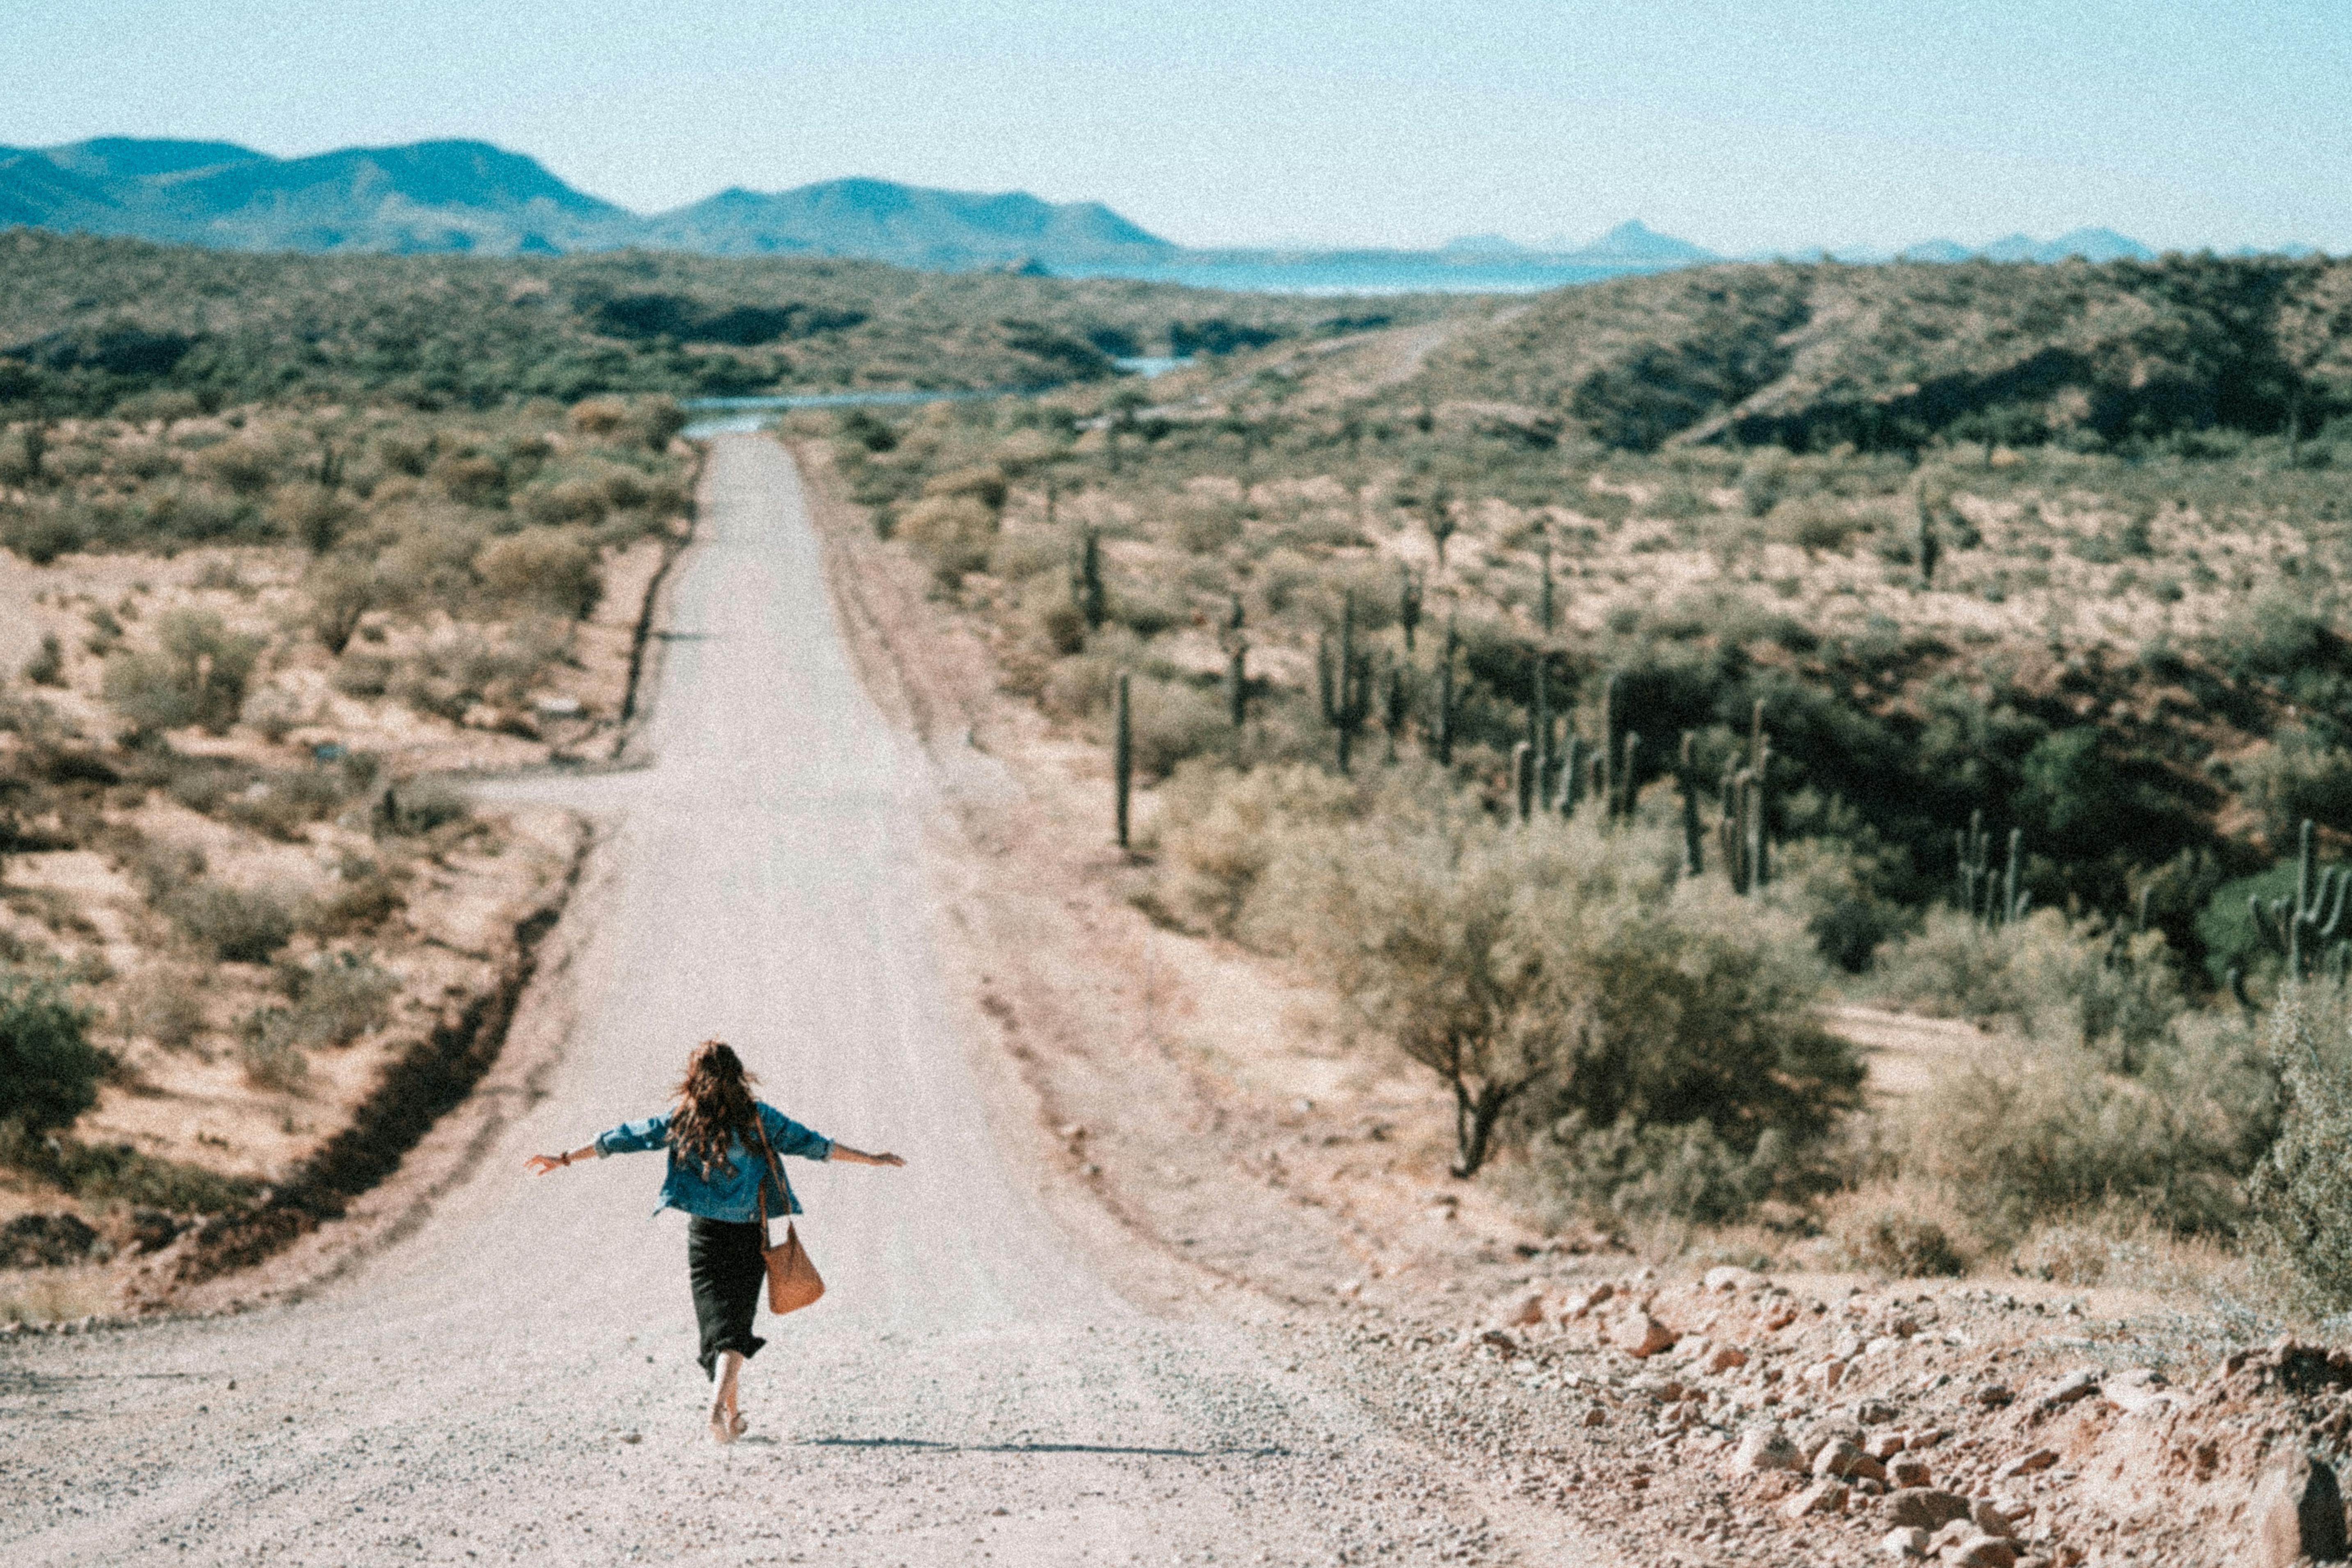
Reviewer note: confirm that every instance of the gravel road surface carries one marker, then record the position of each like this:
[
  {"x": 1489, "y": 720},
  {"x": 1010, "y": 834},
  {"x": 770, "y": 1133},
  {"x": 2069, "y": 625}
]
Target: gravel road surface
[{"x": 515, "y": 1381}]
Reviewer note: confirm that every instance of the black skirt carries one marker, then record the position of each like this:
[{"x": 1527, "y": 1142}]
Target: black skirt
[{"x": 723, "y": 1264}]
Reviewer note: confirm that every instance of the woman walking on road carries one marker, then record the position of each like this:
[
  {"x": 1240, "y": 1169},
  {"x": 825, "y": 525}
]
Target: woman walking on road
[{"x": 723, "y": 1172}]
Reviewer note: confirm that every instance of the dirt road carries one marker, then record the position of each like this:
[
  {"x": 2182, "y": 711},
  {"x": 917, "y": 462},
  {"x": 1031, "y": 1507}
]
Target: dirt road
[{"x": 515, "y": 1381}]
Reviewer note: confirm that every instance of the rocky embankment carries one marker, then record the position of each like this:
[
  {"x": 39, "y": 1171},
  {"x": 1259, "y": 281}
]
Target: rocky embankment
[{"x": 1736, "y": 1419}]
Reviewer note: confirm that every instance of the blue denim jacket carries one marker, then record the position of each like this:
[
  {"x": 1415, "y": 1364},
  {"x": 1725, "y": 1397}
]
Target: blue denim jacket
[{"x": 720, "y": 1195}]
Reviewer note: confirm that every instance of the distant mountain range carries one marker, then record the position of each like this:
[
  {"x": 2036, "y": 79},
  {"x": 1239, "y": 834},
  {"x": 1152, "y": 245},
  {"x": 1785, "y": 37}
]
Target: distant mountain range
[{"x": 472, "y": 196}]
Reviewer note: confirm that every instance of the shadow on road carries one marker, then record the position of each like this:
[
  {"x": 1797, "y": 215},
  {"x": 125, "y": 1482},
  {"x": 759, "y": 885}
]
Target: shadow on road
[{"x": 928, "y": 1444}]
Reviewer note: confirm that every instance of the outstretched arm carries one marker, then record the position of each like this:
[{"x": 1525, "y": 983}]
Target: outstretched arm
[
  {"x": 860, "y": 1157},
  {"x": 542, "y": 1164}
]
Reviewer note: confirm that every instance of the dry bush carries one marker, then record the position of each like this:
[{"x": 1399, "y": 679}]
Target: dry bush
[
  {"x": 544, "y": 568},
  {"x": 1901, "y": 1232},
  {"x": 1216, "y": 833},
  {"x": 235, "y": 925},
  {"x": 420, "y": 806},
  {"x": 1172, "y": 721},
  {"x": 600, "y": 417},
  {"x": 246, "y": 466},
  {"x": 338, "y": 594},
  {"x": 982, "y": 482},
  {"x": 2021, "y": 1133},
  {"x": 362, "y": 896},
  {"x": 162, "y": 1005},
  {"x": 270, "y": 1049},
  {"x": 313, "y": 515},
  {"x": 47, "y": 665},
  {"x": 2047, "y": 977},
  {"x": 469, "y": 479},
  {"x": 197, "y": 676},
  {"x": 952, "y": 531},
  {"x": 337, "y": 998},
  {"x": 577, "y": 500}
]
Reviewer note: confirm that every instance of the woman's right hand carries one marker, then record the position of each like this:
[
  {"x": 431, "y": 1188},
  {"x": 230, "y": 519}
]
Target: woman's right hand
[{"x": 542, "y": 1164}]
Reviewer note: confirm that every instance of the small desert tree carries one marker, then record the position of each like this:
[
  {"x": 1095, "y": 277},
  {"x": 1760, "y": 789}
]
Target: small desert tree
[{"x": 1559, "y": 968}]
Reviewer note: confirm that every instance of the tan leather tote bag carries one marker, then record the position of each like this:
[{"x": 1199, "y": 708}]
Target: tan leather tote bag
[{"x": 792, "y": 1279}]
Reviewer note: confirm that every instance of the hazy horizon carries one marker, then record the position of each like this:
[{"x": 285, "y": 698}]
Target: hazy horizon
[{"x": 1777, "y": 126}]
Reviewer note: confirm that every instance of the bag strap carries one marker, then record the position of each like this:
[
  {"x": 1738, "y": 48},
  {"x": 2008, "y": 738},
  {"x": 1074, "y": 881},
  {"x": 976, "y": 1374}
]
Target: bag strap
[{"x": 769, "y": 1155}]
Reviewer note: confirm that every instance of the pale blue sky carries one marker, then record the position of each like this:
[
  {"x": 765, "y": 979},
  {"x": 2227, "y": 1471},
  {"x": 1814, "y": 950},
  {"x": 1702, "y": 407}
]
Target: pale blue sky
[{"x": 1742, "y": 126}]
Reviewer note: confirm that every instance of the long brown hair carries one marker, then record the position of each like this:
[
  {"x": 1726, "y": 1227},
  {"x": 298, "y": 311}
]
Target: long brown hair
[{"x": 714, "y": 1102}]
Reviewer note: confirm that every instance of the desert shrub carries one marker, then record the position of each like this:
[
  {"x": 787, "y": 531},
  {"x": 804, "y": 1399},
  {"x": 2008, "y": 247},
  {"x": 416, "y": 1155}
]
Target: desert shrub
[
  {"x": 119, "y": 1174},
  {"x": 363, "y": 895},
  {"x": 201, "y": 788},
  {"x": 313, "y": 515},
  {"x": 1170, "y": 721},
  {"x": 570, "y": 500},
  {"x": 2301, "y": 1191},
  {"x": 47, "y": 665},
  {"x": 42, "y": 534},
  {"x": 2045, "y": 976},
  {"x": 48, "y": 1069},
  {"x": 1890, "y": 1240},
  {"x": 337, "y": 998},
  {"x": 338, "y": 593},
  {"x": 163, "y": 1006},
  {"x": 601, "y": 418},
  {"x": 362, "y": 674},
  {"x": 1629, "y": 1170},
  {"x": 449, "y": 675},
  {"x": 1217, "y": 832},
  {"x": 469, "y": 479},
  {"x": 984, "y": 483},
  {"x": 2019, "y": 1132},
  {"x": 197, "y": 675},
  {"x": 2299, "y": 776},
  {"x": 269, "y": 1048},
  {"x": 245, "y": 466},
  {"x": 545, "y": 568},
  {"x": 420, "y": 806},
  {"x": 236, "y": 925},
  {"x": 954, "y": 533},
  {"x": 1559, "y": 971}
]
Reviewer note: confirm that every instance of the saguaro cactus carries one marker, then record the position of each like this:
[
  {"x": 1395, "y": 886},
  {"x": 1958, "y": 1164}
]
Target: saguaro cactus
[
  {"x": 1992, "y": 898},
  {"x": 1601, "y": 758},
  {"x": 1686, "y": 782},
  {"x": 1625, "y": 790},
  {"x": 1523, "y": 778},
  {"x": 1237, "y": 683},
  {"x": 1539, "y": 728},
  {"x": 1445, "y": 715},
  {"x": 1346, "y": 687},
  {"x": 2302, "y": 928},
  {"x": 1759, "y": 754},
  {"x": 1122, "y": 758},
  {"x": 1408, "y": 603},
  {"x": 1571, "y": 778},
  {"x": 1086, "y": 580},
  {"x": 1543, "y": 598},
  {"x": 1743, "y": 835}
]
